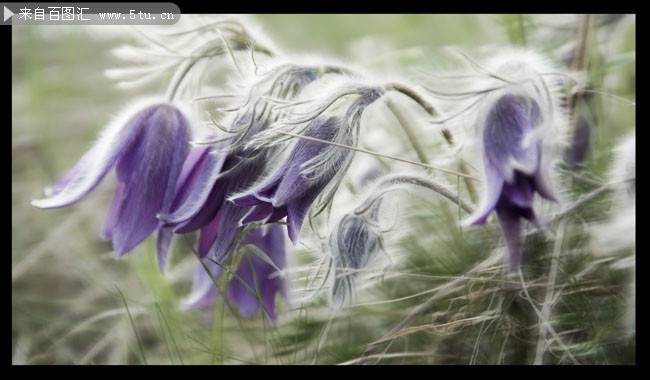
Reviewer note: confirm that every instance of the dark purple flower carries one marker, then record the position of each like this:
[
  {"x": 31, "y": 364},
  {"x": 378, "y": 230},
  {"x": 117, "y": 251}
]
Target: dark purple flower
[
  {"x": 513, "y": 169},
  {"x": 289, "y": 191},
  {"x": 201, "y": 203},
  {"x": 224, "y": 235},
  {"x": 147, "y": 152},
  {"x": 580, "y": 143},
  {"x": 256, "y": 278},
  {"x": 196, "y": 170}
]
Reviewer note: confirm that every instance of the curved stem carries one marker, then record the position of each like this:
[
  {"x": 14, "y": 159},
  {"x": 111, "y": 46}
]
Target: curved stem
[
  {"x": 429, "y": 108},
  {"x": 426, "y": 183},
  {"x": 411, "y": 93},
  {"x": 401, "y": 118},
  {"x": 204, "y": 51}
]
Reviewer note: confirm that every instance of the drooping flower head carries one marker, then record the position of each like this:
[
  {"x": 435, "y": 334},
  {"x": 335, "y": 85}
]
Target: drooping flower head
[
  {"x": 519, "y": 127},
  {"x": 353, "y": 243},
  {"x": 513, "y": 169},
  {"x": 257, "y": 277},
  {"x": 283, "y": 82},
  {"x": 229, "y": 166},
  {"x": 311, "y": 166},
  {"x": 147, "y": 149},
  {"x": 288, "y": 192}
]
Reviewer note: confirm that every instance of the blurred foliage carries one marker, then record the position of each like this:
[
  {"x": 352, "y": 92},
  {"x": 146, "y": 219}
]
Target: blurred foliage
[{"x": 444, "y": 299}]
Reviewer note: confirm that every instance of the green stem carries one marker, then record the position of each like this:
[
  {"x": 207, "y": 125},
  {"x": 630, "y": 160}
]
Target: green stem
[{"x": 406, "y": 127}]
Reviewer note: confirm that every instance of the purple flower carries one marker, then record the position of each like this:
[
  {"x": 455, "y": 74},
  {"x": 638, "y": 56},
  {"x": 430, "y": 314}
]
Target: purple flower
[
  {"x": 289, "y": 190},
  {"x": 147, "y": 152},
  {"x": 353, "y": 244},
  {"x": 199, "y": 163},
  {"x": 201, "y": 200},
  {"x": 256, "y": 278},
  {"x": 580, "y": 143},
  {"x": 222, "y": 170},
  {"x": 513, "y": 169}
]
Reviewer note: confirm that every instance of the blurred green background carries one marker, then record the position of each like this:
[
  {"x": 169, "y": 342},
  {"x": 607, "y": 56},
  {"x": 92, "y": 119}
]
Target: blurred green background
[{"x": 66, "y": 304}]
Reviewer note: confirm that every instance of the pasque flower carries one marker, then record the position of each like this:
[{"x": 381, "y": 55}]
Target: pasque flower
[
  {"x": 256, "y": 279},
  {"x": 513, "y": 168},
  {"x": 216, "y": 172},
  {"x": 353, "y": 243},
  {"x": 228, "y": 167},
  {"x": 147, "y": 149},
  {"x": 289, "y": 191}
]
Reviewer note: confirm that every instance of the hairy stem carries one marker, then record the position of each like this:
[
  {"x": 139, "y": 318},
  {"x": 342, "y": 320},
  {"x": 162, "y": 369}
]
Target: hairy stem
[
  {"x": 548, "y": 298},
  {"x": 580, "y": 63},
  {"x": 401, "y": 118},
  {"x": 429, "y": 109},
  {"x": 426, "y": 183}
]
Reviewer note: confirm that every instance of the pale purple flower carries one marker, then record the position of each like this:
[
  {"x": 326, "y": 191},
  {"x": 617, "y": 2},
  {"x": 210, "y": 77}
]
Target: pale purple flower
[
  {"x": 513, "y": 169},
  {"x": 353, "y": 244},
  {"x": 289, "y": 191},
  {"x": 256, "y": 278},
  {"x": 147, "y": 151}
]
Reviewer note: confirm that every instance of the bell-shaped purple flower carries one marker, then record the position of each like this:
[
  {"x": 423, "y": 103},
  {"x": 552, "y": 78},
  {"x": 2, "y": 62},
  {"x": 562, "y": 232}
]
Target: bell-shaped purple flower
[
  {"x": 218, "y": 171},
  {"x": 201, "y": 200},
  {"x": 513, "y": 169},
  {"x": 257, "y": 277},
  {"x": 147, "y": 151},
  {"x": 289, "y": 191}
]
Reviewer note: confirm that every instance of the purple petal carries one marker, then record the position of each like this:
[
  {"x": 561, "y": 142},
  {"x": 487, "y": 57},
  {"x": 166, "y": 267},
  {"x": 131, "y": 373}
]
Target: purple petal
[
  {"x": 493, "y": 187},
  {"x": 243, "y": 288},
  {"x": 507, "y": 124},
  {"x": 296, "y": 212},
  {"x": 262, "y": 192},
  {"x": 149, "y": 170},
  {"x": 240, "y": 177},
  {"x": 261, "y": 212},
  {"x": 193, "y": 165},
  {"x": 94, "y": 164},
  {"x": 580, "y": 143},
  {"x": 199, "y": 191},
  {"x": 294, "y": 184},
  {"x": 207, "y": 236},
  {"x": 511, "y": 225},
  {"x": 209, "y": 209},
  {"x": 520, "y": 192},
  {"x": 278, "y": 214},
  {"x": 163, "y": 243},
  {"x": 256, "y": 278},
  {"x": 228, "y": 230},
  {"x": 113, "y": 212},
  {"x": 247, "y": 200}
]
